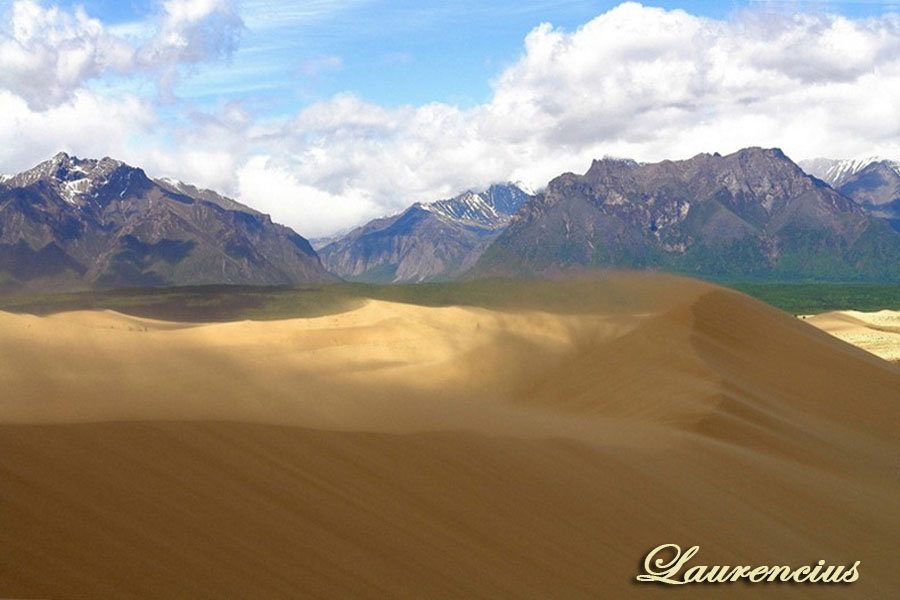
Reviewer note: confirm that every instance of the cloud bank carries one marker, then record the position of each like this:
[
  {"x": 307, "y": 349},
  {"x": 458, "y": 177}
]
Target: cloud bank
[{"x": 636, "y": 81}]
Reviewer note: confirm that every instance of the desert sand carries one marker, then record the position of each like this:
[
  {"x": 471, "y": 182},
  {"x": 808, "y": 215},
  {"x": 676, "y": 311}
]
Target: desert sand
[
  {"x": 402, "y": 451},
  {"x": 875, "y": 332}
]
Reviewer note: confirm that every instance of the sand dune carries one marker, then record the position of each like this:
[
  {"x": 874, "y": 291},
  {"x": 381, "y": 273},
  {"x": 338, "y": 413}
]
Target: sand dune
[
  {"x": 457, "y": 452},
  {"x": 875, "y": 332}
]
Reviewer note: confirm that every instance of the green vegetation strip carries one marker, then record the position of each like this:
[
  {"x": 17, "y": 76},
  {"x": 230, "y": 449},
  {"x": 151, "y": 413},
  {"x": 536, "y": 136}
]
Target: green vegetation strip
[
  {"x": 230, "y": 303},
  {"x": 591, "y": 294},
  {"x": 814, "y": 298}
]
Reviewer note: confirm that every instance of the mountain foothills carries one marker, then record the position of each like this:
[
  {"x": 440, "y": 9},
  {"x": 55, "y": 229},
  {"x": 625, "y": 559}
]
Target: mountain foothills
[
  {"x": 434, "y": 241},
  {"x": 70, "y": 223},
  {"x": 873, "y": 183},
  {"x": 750, "y": 215}
]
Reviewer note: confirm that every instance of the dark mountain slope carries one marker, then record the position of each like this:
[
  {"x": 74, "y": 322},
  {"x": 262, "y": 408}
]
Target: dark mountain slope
[
  {"x": 877, "y": 188},
  {"x": 435, "y": 241},
  {"x": 750, "y": 215},
  {"x": 70, "y": 224}
]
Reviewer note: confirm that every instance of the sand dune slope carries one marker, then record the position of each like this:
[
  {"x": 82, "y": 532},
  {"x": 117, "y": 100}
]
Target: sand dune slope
[{"x": 413, "y": 452}]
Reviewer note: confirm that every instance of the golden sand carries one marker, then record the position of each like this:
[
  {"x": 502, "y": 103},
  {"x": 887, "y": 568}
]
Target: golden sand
[
  {"x": 411, "y": 452},
  {"x": 875, "y": 332}
]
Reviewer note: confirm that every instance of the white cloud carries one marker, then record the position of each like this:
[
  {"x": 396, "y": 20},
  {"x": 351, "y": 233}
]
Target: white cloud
[
  {"x": 647, "y": 81},
  {"x": 311, "y": 211},
  {"x": 190, "y": 32},
  {"x": 47, "y": 53},
  {"x": 87, "y": 125}
]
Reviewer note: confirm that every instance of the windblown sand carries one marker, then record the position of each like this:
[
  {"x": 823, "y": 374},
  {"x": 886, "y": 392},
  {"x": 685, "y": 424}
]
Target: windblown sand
[
  {"x": 875, "y": 332},
  {"x": 400, "y": 451}
]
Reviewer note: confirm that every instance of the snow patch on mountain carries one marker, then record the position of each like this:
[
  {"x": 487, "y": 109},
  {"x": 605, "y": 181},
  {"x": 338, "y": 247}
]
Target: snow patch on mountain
[
  {"x": 491, "y": 209},
  {"x": 76, "y": 180},
  {"x": 73, "y": 191},
  {"x": 169, "y": 181},
  {"x": 177, "y": 185},
  {"x": 467, "y": 207},
  {"x": 843, "y": 169},
  {"x": 525, "y": 188}
]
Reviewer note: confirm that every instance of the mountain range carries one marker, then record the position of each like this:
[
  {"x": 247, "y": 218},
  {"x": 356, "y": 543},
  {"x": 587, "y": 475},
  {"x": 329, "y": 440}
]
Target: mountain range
[
  {"x": 750, "y": 215},
  {"x": 873, "y": 183},
  {"x": 428, "y": 241},
  {"x": 72, "y": 223}
]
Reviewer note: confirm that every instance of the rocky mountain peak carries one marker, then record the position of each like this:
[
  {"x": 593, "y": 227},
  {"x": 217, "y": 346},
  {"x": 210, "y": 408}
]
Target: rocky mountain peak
[
  {"x": 607, "y": 167},
  {"x": 752, "y": 152},
  {"x": 750, "y": 214},
  {"x": 873, "y": 183},
  {"x": 765, "y": 173},
  {"x": 754, "y": 175},
  {"x": 79, "y": 181},
  {"x": 491, "y": 208},
  {"x": 614, "y": 161},
  {"x": 838, "y": 172},
  {"x": 73, "y": 223},
  {"x": 428, "y": 241}
]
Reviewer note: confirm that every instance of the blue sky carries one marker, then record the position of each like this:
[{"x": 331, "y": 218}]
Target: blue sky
[
  {"x": 326, "y": 113},
  {"x": 392, "y": 52}
]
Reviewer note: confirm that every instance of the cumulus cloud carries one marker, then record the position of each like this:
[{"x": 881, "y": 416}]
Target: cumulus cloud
[
  {"x": 47, "y": 54},
  {"x": 656, "y": 83},
  {"x": 274, "y": 189},
  {"x": 190, "y": 32},
  {"x": 87, "y": 125}
]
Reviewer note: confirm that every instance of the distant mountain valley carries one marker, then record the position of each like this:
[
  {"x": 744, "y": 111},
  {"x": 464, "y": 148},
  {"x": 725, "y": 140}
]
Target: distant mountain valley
[{"x": 426, "y": 242}]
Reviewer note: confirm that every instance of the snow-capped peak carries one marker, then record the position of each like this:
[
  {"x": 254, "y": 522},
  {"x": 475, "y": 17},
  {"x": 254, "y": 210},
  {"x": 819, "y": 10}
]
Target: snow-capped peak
[
  {"x": 491, "y": 208},
  {"x": 836, "y": 172},
  {"x": 845, "y": 168},
  {"x": 75, "y": 179},
  {"x": 468, "y": 206}
]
